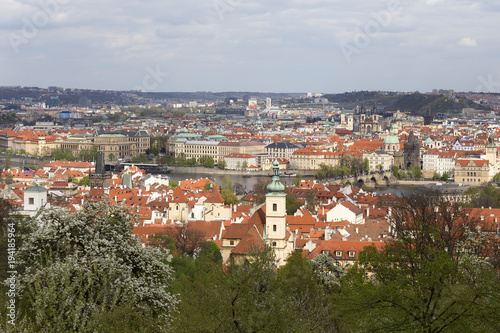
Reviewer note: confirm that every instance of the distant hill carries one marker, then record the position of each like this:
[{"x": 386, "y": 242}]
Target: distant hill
[
  {"x": 416, "y": 103},
  {"x": 419, "y": 104}
]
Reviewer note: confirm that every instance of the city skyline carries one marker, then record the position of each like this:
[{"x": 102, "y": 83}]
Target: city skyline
[{"x": 235, "y": 45}]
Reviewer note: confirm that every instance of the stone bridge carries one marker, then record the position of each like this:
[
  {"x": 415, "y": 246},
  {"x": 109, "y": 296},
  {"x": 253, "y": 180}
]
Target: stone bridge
[{"x": 382, "y": 178}]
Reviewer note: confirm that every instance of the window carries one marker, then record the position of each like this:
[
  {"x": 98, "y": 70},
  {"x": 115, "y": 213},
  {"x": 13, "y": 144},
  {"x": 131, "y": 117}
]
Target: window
[
  {"x": 338, "y": 254},
  {"x": 177, "y": 207},
  {"x": 352, "y": 254},
  {"x": 325, "y": 252},
  {"x": 231, "y": 242},
  {"x": 274, "y": 227},
  {"x": 31, "y": 201},
  {"x": 275, "y": 207},
  {"x": 274, "y": 244}
]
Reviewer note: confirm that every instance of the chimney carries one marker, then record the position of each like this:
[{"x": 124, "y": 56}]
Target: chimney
[
  {"x": 357, "y": 230},
  {"x": 368, "y": 212},
  {"x": 309, "y": 245},
  {"x": 390, "y": 212}
]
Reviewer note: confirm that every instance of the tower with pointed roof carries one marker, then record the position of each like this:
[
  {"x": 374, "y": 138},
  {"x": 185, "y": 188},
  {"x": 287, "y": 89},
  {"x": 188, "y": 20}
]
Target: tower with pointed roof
[
  {"x": 369, "y": 121},
  {"x": 412, "y": 151},
  {"x": 275, "y": 233},
  {"x": 491, "y": 153}
]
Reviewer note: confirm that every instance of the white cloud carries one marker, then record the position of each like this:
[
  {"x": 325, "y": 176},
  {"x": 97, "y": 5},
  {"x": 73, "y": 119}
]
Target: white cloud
[
  {"x": 294, "y": 42},
  {"x": 467, "y": 42}
]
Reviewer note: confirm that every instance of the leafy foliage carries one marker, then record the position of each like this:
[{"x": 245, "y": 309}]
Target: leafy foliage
[
  {"x": 229, "y": 197},
  {"x": 432, "y": 278},
  {"x": 75, "y": 269}
]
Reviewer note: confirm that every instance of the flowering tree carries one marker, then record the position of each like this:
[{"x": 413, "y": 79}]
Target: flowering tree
[{"x": 77, "y": 270}]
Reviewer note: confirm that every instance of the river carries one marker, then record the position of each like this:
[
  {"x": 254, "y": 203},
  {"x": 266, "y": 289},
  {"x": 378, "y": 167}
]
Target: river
[{"x": 249, "y": 182}]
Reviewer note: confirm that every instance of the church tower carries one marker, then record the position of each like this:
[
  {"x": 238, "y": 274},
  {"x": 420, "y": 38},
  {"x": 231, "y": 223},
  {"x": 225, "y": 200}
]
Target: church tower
[
  {"x": 275, "y": 208},
  {"x": 491, "y": 153}
]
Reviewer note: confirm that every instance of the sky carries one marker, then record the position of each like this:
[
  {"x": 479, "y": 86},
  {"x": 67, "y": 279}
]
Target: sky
[{"x": 325, "y": 46}]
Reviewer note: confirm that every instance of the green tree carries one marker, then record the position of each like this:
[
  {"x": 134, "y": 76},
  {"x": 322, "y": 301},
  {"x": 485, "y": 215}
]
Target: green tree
[
  {"x": 22, "y": 151},
  {"x": 445, "y": 177},
  {"x": 260, "y": 190},
  {"x": 208, "y": 186},
  {"x": 172, "y": 183},
  {"x": 297, "y": 179},
  {"x": 395, "y": 171},
  {"x": 207, "y": 161},
  {"x": 227, "y": 183},
  {"x": 292, "y": 203},
  {"x": 221, "y": 164},
  {"x": 366, "y": 165},
  {"x": 402, "y": 174},
  {"x": 74, "y": 268},
  {"x": 244, "y": 165},
  {"x": 7, "y": 162},
  {"x": 434, "y": 277},
  {"x": 111, "y": 157},
  {"x": 436, "y": 175},
  {"x": 379, "y": 167},
  {"x": 85, "y": 181},
  {"x": 229, "y": 197},
  {"x": 415, "y": 171},
  {"x": 209, "y": 251},
  {"x": 63, "y": 154},
  {"x": 238, "y": 165}
]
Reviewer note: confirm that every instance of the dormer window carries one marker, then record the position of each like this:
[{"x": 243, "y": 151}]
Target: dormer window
[
  {"x": 352, "y": 254},
  {"x": 338, "y": 254}
]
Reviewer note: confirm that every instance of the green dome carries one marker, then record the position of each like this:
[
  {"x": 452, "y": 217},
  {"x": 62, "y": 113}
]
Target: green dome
[
  {"x": 428, "y": 141},
  {"x": 275, "y": 185},
  {"x": 391, "y": 140}
]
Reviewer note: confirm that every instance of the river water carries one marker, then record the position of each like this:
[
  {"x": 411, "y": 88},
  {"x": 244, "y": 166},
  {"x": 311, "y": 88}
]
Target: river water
[{"x": 249, "y": 182}]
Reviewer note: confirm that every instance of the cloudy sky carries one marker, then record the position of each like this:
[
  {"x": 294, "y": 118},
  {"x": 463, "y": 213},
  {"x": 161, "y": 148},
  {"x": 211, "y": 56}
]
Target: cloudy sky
[{"x": 246, "y": 45}]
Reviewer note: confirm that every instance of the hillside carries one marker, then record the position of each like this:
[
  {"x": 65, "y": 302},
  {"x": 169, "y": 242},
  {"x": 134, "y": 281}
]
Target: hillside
[{"x": 416, "y": 103}]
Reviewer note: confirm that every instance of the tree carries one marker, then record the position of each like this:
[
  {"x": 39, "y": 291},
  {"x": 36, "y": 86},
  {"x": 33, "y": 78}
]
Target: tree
[
  {"x": 238, "y": 165},
  {"x": 85, "y": 181},
  {"x": 221, "y": 164},
  {"x": 163, "y": 241},
  {"x": 186, "y": 240},
  {"x": 227, "y": 183},
  {"x": 433, "y": 277},
  {"x": 244, "y": 165},
  {"x": 414, "y": 172},
  {"x": 445, "y": 177},
  {"x": 207, "y": 161},
  {"x": 436, "y": 175},
  {"x": 366, "y": 165},
  {"x": 22, "y": 151},
  {"x": 63, "y": 154},
  {"x": 7, "y": 162},
  {"x": 72, "y": 269},
  {"x": 209, "y": 251},
  {"x": 292, "y": 203},
  {"x": 172, "y": 183},
  {"x": 207, "y": 186},
  {"x": 327, "y": 271},
  {"x": 229, "y": 197},
  {"x": 260, "y": 189},
  {"x": 297, "y": 179},
  {"x": 379, "y": 167},
  {"x": 8, "y": 225},
  {"x": 111, "y": 157},
  {"x": 395, "y": 171}
]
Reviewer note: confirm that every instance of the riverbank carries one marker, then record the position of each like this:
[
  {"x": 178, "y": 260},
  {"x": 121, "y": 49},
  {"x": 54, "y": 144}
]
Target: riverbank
[{"x": 215, "y": 171}]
